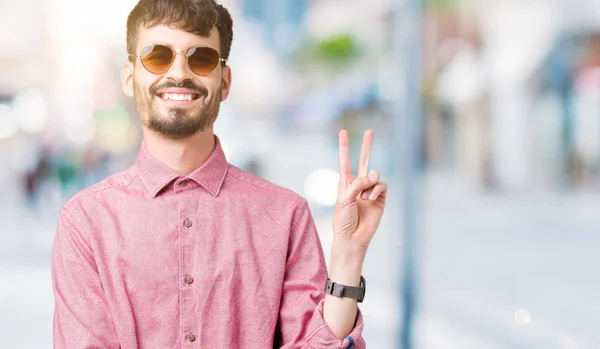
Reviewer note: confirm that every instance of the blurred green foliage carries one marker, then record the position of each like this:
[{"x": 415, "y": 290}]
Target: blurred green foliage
[
  {"x": 445, "y": 4},
  {"x": 341, "y": 47},
  {"x": 340, "y": 50}
]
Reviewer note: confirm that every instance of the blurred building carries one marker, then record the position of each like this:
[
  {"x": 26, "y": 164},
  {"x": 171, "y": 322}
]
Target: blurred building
[
  {"x": 280, "y": 22},
  {"x": 489, "y": 69}
]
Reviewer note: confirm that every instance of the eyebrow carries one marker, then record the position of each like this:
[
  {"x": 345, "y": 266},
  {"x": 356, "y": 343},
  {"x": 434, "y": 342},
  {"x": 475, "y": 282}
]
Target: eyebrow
[
  {"x": 162, "y": 44},
  {"x": 171, "y": 46}
]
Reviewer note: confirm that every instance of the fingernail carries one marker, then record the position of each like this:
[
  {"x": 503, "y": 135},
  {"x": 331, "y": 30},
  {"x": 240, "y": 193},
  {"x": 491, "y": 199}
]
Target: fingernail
[
  {"x": 373, "y": 196},
  {"x": 364, "y": 195},
  {"x": 372, "y": 176}
]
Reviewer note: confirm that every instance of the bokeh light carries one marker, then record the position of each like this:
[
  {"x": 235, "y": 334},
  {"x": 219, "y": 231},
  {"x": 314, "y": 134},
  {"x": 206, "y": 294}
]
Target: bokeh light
[
  {"x": 522, "y": 317},
  {"x": 30, "y": 108},
  {"x": 321, "y": 187},
  {"x": 8, "y": 126}
]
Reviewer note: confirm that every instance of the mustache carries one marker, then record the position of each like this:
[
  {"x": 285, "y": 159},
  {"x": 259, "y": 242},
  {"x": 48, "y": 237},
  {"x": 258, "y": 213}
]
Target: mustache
[{"x": 203, "y": 91}]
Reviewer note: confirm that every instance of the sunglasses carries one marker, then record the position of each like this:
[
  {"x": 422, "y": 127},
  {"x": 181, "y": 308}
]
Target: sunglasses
[{"x": 158, "y": 59}]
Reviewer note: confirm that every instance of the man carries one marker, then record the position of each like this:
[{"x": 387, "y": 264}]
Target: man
[{"x": 183, "y": 250}]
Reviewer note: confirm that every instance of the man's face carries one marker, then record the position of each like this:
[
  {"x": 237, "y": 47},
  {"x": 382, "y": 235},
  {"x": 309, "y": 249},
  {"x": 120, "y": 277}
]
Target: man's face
[{"x": 157, "y": 95}]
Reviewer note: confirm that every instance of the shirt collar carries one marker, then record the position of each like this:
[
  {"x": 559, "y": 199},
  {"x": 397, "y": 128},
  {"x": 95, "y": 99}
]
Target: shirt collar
[{"x": 155, "y": 175}]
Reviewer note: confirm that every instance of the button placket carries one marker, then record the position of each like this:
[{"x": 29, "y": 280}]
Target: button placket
[
  {"x": 187, "y": 230},
  {"x": 187, "y": 290}
]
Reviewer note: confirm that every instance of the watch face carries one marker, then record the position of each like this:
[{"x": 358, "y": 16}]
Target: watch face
[{"x": 363, "y": 284}]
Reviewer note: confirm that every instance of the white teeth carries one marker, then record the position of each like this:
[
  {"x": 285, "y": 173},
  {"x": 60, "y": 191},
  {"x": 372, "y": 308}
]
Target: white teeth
[{"x": 177, "y": 96}]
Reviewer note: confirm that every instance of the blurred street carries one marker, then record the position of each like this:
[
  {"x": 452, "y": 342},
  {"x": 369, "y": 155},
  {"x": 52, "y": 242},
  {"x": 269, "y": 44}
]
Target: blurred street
[{"x": 510, "y": 271}]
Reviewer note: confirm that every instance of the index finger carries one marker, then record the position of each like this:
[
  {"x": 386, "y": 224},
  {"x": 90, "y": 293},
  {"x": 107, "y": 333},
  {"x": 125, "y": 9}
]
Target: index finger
[
  {"x": 365, "y": 152},
  {"x": 344, "y": 157}
]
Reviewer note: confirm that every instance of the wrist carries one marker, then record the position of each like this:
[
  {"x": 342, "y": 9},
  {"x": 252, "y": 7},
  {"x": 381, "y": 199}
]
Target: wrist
[
  {"x": 346, "y": 269},
  {"x": 346, "y": 246}
]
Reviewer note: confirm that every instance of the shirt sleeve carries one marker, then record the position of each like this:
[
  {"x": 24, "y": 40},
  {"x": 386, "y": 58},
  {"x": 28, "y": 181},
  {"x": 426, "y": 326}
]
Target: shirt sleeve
[
  {"x": 301, "y": 323},
  {"x": 81, "y": 315}
]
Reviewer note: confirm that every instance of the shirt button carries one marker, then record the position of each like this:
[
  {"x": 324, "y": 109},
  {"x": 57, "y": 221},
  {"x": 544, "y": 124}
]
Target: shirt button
[
  {"x": 183, "y": 184},
  {"x": 187, "y": 223},
  {"x": 189, "y": 279},
  {"x": 191, "y": 337}
]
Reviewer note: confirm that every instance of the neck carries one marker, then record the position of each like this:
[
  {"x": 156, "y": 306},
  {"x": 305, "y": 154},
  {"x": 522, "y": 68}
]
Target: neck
[{"x": 183, "y": 156}]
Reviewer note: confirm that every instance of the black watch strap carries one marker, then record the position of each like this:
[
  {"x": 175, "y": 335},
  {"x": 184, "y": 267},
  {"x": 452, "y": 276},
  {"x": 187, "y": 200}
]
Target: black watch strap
[{"x": 343, "y": 291}]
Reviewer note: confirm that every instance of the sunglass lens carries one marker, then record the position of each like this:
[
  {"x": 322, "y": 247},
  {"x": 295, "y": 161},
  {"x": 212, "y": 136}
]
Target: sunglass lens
[
  {"x": 203, "y": 60},
  {"x": 157, "y": 59}
]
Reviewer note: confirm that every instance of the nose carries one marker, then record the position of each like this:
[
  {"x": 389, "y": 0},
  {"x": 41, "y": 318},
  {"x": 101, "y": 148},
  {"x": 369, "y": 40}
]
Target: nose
[{"x": 179, "y": 70}]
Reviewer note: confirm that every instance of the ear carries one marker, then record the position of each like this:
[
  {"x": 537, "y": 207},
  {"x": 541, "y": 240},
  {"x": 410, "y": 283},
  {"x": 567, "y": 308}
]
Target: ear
[
  {"x": 225, "y": 82},
  {"x": 127, "y": 78}
]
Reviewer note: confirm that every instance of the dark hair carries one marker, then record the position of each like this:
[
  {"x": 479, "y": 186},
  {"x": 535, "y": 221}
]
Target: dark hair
[{"x": 194, "y": 16}]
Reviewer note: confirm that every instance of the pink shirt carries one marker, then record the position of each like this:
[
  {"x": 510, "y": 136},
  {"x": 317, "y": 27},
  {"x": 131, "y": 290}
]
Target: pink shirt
[{"x": 216, "y": 259}]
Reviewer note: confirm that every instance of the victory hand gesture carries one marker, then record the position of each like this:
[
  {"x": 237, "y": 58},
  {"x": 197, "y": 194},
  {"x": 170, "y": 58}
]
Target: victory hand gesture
[{"x": 360, "y": 201}]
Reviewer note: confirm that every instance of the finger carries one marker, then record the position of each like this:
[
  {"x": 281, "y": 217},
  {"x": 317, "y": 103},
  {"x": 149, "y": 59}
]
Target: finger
[
  {"x": 365, "y": 151},
  {"x": 358, "y": 185},
  {"x": 374, "y": 178},
  {"x": 344, "y": 160},
  {"x": 379, "y": 190},
  {"x": 351, "y": 193}
]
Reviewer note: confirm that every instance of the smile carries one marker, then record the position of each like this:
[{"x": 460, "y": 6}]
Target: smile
[{"x": 178, "y": 96}]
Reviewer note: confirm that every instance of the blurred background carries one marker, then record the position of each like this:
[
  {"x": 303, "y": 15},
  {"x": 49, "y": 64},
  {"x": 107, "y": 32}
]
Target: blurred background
[{"x": 487, "y": 122}]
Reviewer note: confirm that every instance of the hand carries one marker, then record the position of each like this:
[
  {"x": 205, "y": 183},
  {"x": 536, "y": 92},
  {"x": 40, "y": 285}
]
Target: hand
[{"x": 360, "y": 201}]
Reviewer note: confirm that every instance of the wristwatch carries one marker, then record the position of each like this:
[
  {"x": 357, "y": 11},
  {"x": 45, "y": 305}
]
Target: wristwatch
[{"x": 343, "y": 291}]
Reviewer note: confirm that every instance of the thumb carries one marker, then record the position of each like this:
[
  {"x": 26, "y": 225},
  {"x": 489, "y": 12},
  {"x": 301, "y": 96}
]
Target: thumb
[{"x": 358, "y": 185}]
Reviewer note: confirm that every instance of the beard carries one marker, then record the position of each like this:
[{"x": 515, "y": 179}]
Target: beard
[{"x": 177, "y": 123}]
